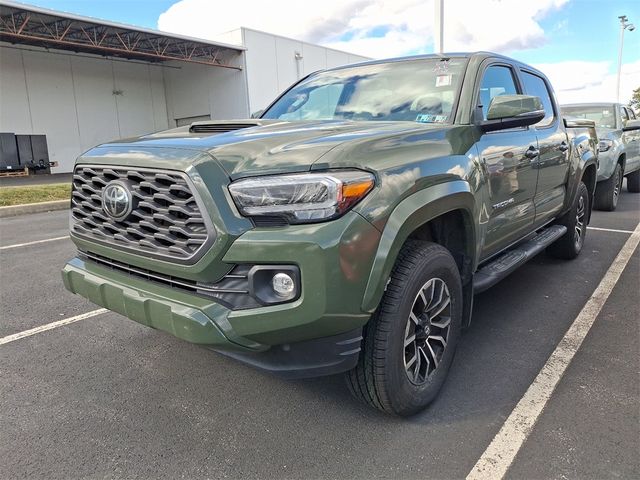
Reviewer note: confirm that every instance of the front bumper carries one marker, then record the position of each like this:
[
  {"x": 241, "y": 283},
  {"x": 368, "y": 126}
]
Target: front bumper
[{"x": 334, "y": 258}]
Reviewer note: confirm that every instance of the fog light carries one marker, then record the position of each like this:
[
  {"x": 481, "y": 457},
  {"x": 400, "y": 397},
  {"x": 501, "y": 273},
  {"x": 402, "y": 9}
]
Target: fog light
[
  {"x": 283, "y": 285},
  {"x": 273, "y": 284}
]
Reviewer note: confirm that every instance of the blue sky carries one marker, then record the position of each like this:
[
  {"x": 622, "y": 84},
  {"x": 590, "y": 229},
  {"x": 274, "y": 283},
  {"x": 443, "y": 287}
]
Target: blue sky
[
  {"x": 143, "y": 13},
  {"x": 587, "y": 30},
  {"x": 576, "y": 41}
]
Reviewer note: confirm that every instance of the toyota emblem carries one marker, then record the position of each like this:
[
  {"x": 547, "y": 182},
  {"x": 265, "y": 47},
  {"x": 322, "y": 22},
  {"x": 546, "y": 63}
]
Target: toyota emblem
[{"x": 117, "y": 201}]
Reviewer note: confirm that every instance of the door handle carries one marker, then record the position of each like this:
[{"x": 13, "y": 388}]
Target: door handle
[
  {"x": 564, "y": 146},
  {"x": 532, "y": 153}
]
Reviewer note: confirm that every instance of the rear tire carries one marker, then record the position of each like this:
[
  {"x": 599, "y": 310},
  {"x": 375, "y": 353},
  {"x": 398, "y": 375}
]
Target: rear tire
[
  {"x": 608, "y": 192},
  {"x": 570, "y": 244},
  {"x": 633, "y": 182},
  {"x": 410, "y": 341}
]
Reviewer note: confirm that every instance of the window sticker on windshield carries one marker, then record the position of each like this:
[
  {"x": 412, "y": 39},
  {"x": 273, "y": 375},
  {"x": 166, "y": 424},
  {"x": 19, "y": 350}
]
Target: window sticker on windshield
[
  {"x": 444, "y": 80},
  {"x": 429, "y": 118}
]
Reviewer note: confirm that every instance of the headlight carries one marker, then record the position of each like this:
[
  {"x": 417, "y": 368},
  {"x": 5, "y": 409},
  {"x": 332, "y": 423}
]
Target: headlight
[
  {"x": 605, "y": 145},
  {"x": 302, "y": 198}
]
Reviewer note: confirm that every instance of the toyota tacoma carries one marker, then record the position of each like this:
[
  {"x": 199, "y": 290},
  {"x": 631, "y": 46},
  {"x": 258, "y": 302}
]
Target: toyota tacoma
[
  {"x": 618, "y": 133},
  {"x": 348, "y": 227}
]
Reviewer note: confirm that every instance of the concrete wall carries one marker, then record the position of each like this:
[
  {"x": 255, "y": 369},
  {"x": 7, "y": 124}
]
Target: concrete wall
[
  {"x": 199, "y": 91},
  {"x": 272, "y": 66},
  {"x": 78, "y": 101}
]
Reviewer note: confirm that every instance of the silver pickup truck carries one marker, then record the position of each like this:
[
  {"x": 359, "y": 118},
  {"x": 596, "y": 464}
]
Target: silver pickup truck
[{"x": 619, "y": 147}]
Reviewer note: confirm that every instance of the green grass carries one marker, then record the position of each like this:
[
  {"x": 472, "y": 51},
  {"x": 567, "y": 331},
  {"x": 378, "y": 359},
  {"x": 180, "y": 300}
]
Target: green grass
[{"x": 34, "y": 194}]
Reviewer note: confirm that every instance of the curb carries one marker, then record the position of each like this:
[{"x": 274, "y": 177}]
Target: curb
[{"x": 13, "y": 210}]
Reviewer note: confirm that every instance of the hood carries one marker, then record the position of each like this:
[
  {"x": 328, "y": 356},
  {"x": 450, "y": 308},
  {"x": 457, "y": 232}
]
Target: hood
[{"x": 272, "y": 146}]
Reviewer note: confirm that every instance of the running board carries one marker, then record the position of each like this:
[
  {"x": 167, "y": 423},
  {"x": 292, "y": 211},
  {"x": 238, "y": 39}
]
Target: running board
[{"x": 505, "y": 264}]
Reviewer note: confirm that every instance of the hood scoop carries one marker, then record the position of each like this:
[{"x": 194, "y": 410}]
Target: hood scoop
[{"x": 219, "y": 127}]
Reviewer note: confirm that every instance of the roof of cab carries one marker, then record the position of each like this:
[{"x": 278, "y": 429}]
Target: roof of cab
[{"x": 481, "y": 55}]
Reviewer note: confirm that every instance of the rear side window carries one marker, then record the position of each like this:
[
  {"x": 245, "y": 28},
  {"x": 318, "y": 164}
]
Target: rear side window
[
  {"x": 536, "y": 86},
  {"x": 497, "y": 80},
  {"x": 623, "y": 116}
]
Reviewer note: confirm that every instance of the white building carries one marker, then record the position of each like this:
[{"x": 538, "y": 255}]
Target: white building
[{"x": 81, "y": 81}]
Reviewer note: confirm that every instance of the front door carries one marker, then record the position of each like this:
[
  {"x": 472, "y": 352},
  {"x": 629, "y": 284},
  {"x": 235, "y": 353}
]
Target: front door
[{"x": 507, "y": 157}]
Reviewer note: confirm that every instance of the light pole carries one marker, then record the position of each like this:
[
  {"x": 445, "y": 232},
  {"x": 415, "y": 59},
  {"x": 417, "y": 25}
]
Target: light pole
[
  {"x": 624, "y": 24},
  {"x": 439, "y": 26}
]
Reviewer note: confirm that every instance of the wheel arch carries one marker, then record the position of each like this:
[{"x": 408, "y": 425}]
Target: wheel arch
[
  {"x": 589, "y": 177},
  {"x": 622, "y": 160},
  {"x": 442, "y": 214},
  {"x": 584, "y": 168}
]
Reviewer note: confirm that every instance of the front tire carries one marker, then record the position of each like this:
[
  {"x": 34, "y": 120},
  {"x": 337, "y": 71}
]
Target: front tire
[
  {"x": 608, "y": 191},
  {"x": 410, "y": 341},
  {"x": 633, "y": 182},
  {"x": 570, "y": 244}
]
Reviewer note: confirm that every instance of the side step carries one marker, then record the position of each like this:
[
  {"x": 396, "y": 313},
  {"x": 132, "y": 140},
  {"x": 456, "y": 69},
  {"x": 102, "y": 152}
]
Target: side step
[{"x": 505, "y": 264}]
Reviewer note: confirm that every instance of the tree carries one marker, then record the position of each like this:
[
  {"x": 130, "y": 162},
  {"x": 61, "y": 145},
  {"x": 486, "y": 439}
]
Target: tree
[{"x": 635, "y": 100}]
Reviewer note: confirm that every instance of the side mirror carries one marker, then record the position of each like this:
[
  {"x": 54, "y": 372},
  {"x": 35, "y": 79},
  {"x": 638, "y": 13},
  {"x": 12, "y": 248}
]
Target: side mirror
[
  {"x": 571, "y": 122},
  {"x": 631, "y": 125},
  {"x": 257, "y": 114},
  {"x": 510, "y": 111}
]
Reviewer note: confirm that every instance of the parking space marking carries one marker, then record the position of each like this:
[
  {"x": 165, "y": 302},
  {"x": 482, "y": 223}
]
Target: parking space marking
[
  {"x": 499, "y": 455},
  {"x": 614, "y": 230},
  {"x": 49, "y": 326},
  {"x": 33, "y": 243}
]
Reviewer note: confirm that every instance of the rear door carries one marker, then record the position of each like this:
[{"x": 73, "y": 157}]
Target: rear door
[
  {"x": 552, "y": 164},
  {"x": 507, "y": 157}
]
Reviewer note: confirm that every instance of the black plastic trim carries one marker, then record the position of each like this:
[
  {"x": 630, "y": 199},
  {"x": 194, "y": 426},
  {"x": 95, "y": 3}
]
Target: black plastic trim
[
  {"x": 311, "y": 358},
  {"x": 503, "y": 265}
]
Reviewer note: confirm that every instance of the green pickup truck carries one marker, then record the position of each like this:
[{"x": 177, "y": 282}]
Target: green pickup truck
[{"x": 346, "y": 229}]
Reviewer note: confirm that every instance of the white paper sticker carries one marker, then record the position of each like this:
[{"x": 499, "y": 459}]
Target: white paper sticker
[{"x": 443, "y": 80}]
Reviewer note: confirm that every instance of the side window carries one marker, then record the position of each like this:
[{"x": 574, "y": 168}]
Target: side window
[
  {"x": 497, "y": 80},
  {"x": 623, "y": 116},
  {"x": 535, "y": 85},
  {"x": 632, "y": 115}
]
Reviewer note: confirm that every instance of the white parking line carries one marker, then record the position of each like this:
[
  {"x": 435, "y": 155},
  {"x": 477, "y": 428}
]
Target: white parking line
[
  {"x": 33, "y": 243},
  {"x": 499, "y": 455},
  {"x": 49, "y": 326},
  {"x": 609, "y": 230}
]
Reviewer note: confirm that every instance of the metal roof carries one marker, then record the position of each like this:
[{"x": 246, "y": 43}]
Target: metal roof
[{"x": 27, "y": 24}]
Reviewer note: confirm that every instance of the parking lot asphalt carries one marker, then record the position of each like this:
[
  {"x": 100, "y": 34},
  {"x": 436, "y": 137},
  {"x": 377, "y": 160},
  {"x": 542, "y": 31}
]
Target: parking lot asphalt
[{"x": 106, "y": 397}]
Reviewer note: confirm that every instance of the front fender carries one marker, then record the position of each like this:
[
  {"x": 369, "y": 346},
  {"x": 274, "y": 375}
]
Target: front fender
[
  {"x": 413, "y": 212},
  {"x": 607, "y": 162}
]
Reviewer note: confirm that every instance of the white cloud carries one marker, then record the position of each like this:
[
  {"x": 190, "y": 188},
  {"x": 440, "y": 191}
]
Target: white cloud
[
  {"x": 578, "y": 81},
  {"x": 387, "y": 28},
  {"x": 374, "y": 28}
]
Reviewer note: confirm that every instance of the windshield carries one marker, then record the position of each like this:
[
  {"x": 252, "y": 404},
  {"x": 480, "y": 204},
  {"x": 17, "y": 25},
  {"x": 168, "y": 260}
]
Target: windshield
[
  {"x": 604, "y": 116},
  {"x": 416, "y": 90}
]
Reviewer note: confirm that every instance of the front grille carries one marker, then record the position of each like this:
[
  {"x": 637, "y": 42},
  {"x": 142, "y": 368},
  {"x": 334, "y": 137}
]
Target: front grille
[
  {"x": 219, "y": 127},
  {"x": 232, "y": 290},
  {"x": 166, "y": 220}
]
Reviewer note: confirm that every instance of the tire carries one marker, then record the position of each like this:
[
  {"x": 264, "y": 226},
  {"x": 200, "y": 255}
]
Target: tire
[
  {"x": 608, "y": 192},
  {"x": 633, "y": 182},
  {"x": 387, "y": 376},
  {"x": 570, "y": 244}
]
